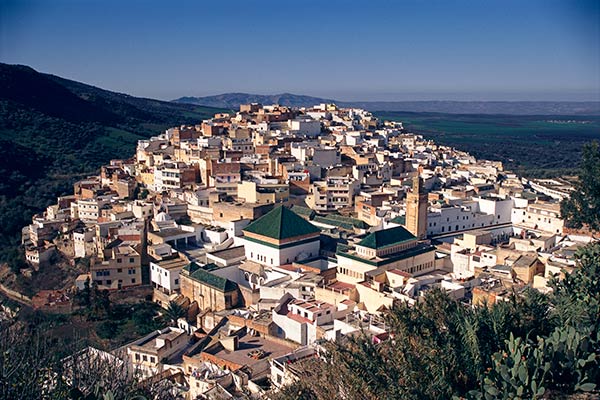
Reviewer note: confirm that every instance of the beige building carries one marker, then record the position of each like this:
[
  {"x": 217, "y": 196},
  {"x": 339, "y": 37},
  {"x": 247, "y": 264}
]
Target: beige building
[
  {"x": 148, "y": 354},
  {"x": 333, "y": 193},
  {"x": 122, "y": 269},
  {"x": 544, "y": 217},
  {"x": 210, "y": 291},
  {"x": 527, "y": 266},
  {"x": 253, "y": 192}
]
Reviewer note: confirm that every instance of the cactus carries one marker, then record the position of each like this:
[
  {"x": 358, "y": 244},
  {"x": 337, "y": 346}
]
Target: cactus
[
  {"x": 565, "y": 361},
  {"x": 572, "y": 358},
  {"x": 518, "y": 373}
]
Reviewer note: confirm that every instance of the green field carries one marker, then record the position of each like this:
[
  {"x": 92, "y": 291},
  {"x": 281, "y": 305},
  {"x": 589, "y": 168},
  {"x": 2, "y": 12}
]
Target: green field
[{"x": 530, "y": 145}]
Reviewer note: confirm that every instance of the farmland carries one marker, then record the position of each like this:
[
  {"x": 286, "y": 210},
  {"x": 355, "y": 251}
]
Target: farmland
[{"x": 535, "y": 146}]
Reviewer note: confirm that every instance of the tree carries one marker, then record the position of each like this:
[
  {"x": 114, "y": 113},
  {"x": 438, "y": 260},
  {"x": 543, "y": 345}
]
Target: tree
[
  {"x": 174, "y": 311},
  {"x": 36, "y": 366},
  {"x": 583, "y": 206}
]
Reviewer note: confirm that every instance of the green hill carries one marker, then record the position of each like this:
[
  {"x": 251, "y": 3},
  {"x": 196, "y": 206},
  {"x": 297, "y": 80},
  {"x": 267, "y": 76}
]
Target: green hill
[{"x": 54, "y": 131}]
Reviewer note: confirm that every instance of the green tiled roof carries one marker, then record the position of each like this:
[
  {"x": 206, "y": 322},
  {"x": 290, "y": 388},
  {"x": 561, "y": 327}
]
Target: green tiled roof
[
  {"x": 386, "y": 237},
  {"x": 203, "y": 274},
  {"x": 400, "y": 219},
  {"x": 327, "y": 221},
  {"x": 347, "y": 223},
  {"x": 281, "y": 223},
  {"x": 303, "y": 211},
  {"x": 412, "y": 252}
]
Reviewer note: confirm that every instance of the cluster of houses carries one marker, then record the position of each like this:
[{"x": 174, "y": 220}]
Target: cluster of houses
[{"x": 278, "y": 228}]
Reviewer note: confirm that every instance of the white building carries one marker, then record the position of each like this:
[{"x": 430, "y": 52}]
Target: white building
[
  {"x": 305, "y": 126},
  {"x": 480, "y": 212},
  {"x": 164, "y": 274},
  {"x": 281, "y": 237},
  {"x": 297, "y": 320},
  {"x": 83, "y": 242}
]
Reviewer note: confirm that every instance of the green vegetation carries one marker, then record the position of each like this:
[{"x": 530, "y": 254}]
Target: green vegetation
[
  {"x": 533, "y": 146},
  {"x": 116, "y": 324},
  {"x": 174, "y": 311},
  {"x": 532, "y": 346},
  {"x": 583, "y": 206},
  {"x": 54, "y": 131}
]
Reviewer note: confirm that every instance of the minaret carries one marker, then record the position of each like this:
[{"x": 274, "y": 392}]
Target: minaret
[{"x": 416, "y": 209}]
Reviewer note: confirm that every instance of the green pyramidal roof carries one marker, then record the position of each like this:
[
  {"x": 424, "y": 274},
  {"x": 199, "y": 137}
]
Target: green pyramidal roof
[
  {"x": 386, "y": 237},
  {"x": 281, "y": 223}
]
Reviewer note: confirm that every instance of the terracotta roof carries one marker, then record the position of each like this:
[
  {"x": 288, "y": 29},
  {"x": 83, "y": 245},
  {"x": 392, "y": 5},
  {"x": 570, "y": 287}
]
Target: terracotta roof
[{"x": 298, "y": 318}]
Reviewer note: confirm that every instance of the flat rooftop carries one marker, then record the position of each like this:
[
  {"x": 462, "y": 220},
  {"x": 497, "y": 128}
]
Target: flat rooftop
[
  {"x": 172, "y": 263},
  {"x": 248, "y": 343},
  {"x": 230, "y": 253},
  {"x": 165, "y": 233}
]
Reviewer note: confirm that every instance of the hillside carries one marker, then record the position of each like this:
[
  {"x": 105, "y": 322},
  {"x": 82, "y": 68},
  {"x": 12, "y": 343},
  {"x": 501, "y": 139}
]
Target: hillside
[
  {"x": 54, "y": 131},
  {"x": 233, "y": 100}
]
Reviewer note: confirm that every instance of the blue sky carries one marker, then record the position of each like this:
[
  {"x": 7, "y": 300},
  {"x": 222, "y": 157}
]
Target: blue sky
[{"x": 348, "y": 50}]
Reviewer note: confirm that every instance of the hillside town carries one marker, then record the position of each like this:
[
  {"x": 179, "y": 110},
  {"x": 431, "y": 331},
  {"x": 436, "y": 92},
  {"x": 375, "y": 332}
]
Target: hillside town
[{"x": 277, "y": 229}]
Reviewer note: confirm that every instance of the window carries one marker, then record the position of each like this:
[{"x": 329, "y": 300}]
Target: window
[
  {"x": 133, "y": 280},
  {"x": 151, "y": 359},
  {"x": 177, "y": 281},
  {"x": 145, "y": 358},
  {"x": 108, "y": 282},
  {"x": 119, "y": 261},
  {"x": 131, "y": 260},
  {"x": 119, "y": 270},
  {"x": 137, "y": 356}
]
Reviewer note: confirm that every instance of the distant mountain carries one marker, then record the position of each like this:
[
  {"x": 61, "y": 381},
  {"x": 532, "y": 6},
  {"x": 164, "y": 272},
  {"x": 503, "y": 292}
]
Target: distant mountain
[
  {"x": 233, "y": 101},
  {"x": 54, "y": 130},
  {"x": 486, "y": 107}
]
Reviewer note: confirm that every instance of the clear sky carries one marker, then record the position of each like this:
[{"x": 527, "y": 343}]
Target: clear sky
[{"x": 347, "y": 50}]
